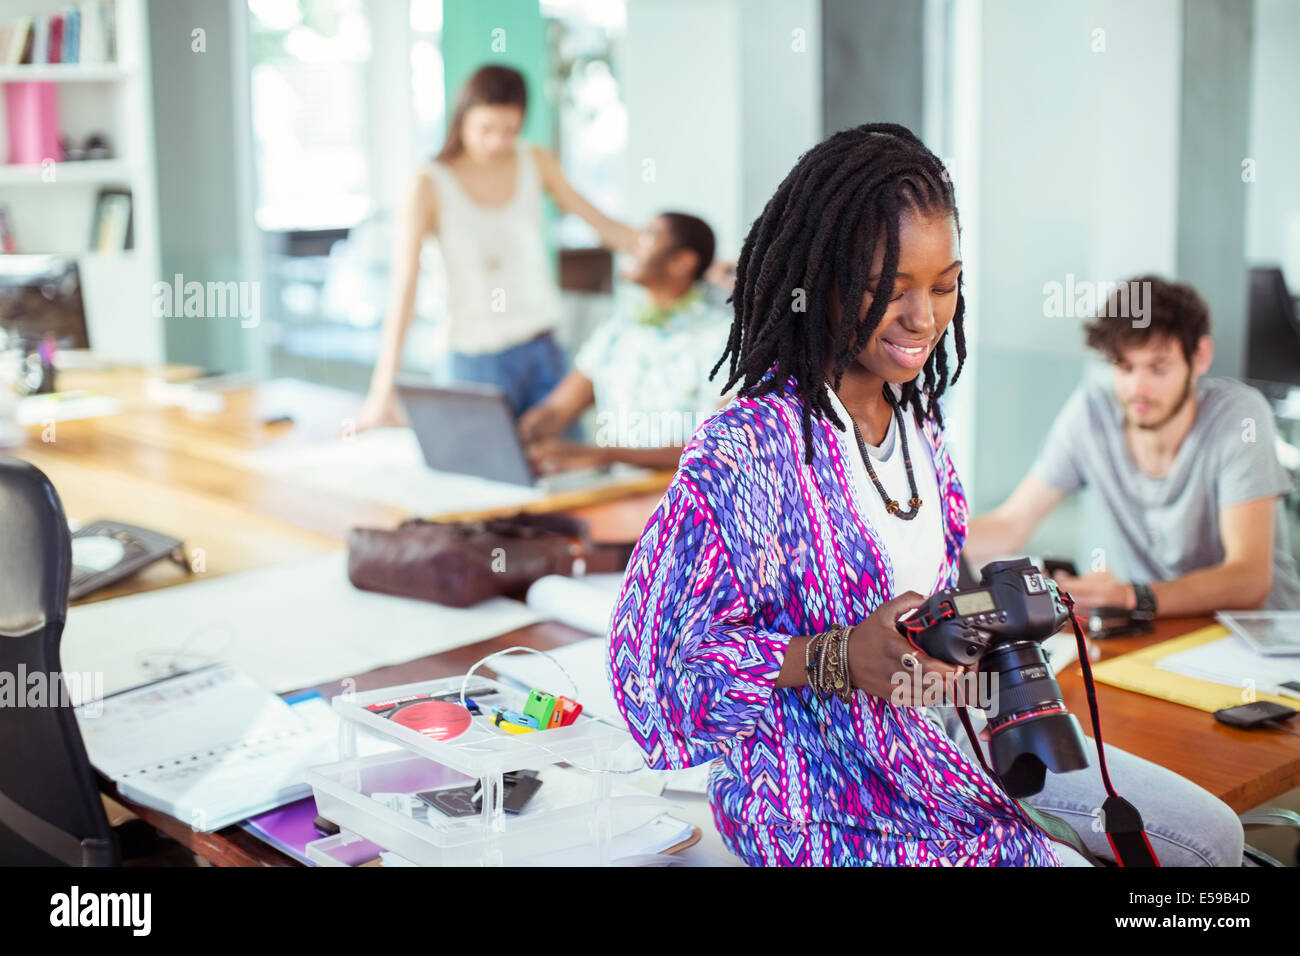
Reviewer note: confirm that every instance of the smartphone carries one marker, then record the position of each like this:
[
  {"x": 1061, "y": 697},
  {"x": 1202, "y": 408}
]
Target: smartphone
[
  {"x": 1256, "y": 714},
  {"x": 517, "y": 788}
]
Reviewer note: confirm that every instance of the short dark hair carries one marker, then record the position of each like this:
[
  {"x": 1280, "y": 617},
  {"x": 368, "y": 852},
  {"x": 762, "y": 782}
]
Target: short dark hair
[
  {"x": 1175, "y": 310},
  {"x": 693, "y": 233},
  {"x": 818, "y": 234}
]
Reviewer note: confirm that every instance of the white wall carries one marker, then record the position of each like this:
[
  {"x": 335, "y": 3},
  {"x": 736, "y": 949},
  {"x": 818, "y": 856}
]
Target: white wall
[
  {"x": 722, "y": 105},
  {"x": 1069, "y": 160},
  {"x": 781, "y": 85},
  {"x": 1078, "y": 154},
  {"x": 1273, "y": 200},
  {"x": 681, "y": 81}
]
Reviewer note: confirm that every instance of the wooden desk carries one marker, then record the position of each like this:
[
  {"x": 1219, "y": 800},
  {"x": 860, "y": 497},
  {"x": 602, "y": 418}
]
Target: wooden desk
[
  {"x": 167, "y": 468},
  {"x": 180, "y": 472},
  {"x": 1242, "y": 768}
]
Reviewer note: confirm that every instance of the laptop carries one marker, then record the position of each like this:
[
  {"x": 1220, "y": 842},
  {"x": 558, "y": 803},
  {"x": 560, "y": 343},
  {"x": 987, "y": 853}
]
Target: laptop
[{"x": 469, "y": 429}]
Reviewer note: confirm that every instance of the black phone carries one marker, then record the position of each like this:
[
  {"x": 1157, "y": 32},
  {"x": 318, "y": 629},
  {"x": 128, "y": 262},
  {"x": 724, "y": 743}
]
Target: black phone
[
  {"x": 517, "y": 788},
  {"x": 1252, "y": 715},
  {"x": 105, "y": 552}
]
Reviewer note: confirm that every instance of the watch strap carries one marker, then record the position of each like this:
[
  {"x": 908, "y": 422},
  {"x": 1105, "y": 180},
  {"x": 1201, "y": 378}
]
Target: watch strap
[{"x": 1146, "y": 601}]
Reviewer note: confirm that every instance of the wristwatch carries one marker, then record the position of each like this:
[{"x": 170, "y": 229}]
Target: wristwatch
[{"x": 1146, "y": 603}]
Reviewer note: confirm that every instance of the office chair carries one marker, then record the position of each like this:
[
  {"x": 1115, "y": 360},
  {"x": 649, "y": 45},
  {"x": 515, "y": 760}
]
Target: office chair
[{"x": 50, "y": 808}]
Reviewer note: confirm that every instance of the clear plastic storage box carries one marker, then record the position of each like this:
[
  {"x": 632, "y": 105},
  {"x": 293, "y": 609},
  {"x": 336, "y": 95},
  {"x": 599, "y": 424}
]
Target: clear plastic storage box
[{"x": 576, "y": 804}]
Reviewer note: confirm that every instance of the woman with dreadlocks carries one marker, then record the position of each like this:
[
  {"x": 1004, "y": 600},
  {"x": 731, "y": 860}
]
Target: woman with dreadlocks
[{"x": 756, "y": 627}]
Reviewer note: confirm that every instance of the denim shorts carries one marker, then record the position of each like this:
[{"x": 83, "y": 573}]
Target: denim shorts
[{"x": 526, "y": 373}]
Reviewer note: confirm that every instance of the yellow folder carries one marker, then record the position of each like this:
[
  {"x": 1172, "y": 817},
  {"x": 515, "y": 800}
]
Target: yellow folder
[{"x": 1137, "y": 671}]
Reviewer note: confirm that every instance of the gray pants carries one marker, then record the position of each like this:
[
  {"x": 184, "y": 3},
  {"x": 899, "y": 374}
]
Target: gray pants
[{"x": 1186, "y": 824}]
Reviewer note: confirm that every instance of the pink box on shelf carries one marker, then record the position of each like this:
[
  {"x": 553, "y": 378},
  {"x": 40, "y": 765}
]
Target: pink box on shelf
[{"x": 33, "y": 112}]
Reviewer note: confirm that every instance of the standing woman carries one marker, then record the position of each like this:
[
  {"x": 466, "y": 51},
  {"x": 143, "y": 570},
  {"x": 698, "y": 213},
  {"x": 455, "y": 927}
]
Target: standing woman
[
  {"x": 804, "y": 518},
  {"x": 481, "y": 197}
]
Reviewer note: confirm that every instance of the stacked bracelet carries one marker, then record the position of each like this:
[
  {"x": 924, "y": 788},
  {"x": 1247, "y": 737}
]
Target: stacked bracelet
[{"x": 826, "y": 659}]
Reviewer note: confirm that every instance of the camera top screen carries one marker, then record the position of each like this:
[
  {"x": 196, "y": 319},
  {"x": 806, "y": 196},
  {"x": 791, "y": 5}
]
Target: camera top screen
[{"x": 973, "y": 602}]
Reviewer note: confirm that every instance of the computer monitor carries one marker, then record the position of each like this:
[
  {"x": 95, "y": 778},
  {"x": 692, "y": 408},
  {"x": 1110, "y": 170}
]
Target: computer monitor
[
  {"x": 1273, "y": 329},
  {"x": 41, "y": 295}
]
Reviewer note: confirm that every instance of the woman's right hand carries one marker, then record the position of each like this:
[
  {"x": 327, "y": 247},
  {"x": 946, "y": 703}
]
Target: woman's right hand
[
  {"x": 380, "y": 410},
  {"x": 876, "y": 652}
]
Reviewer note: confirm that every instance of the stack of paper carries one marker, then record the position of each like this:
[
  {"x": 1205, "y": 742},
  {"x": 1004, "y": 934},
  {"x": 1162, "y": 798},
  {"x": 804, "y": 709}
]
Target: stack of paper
[
  {"x": 386, "y": 466},
  {"x": 289, "y": 626}
]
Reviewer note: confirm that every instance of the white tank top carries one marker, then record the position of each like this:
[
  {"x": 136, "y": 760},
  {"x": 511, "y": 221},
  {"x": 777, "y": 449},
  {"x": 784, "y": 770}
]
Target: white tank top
[{"x": 500, "y": 282}]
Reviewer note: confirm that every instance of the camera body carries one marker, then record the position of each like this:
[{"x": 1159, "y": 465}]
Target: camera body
[
  {"x": 1000, "y": 626},
  {"x": 1014, "y": 602}
]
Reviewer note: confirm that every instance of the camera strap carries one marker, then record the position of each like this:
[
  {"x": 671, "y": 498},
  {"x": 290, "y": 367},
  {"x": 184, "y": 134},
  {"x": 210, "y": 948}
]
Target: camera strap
[
  {"x": 1122, "y": 822},
  {"x": 1055, "y": 828},
  {"x": 1120, "y": 819}
]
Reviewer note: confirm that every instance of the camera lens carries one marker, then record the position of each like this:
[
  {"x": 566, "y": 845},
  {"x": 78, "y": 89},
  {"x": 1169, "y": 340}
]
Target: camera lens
[{"x": 1030, "y": 731}]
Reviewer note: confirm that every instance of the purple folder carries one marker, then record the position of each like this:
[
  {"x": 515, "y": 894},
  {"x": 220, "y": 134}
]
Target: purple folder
[{"x": 290, "y": 828}]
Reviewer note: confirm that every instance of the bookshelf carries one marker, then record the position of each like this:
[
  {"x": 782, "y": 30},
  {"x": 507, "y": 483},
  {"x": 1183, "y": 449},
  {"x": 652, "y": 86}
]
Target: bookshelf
[
  {"x": 63, "y": 73},
  {"x": 54, "y": 214},
  {"x": 100, "y": 171}
]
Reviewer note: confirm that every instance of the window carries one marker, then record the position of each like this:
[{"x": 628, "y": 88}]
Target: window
[
  {"x": 428, "y": 93},
  {"x": 592, "y": 136},
  {"x": 309, "y": 60}
]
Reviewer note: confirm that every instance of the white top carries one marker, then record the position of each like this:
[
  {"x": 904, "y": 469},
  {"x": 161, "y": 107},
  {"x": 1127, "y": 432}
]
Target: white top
[
  {"x": 914, "y": 550},
  {"x": 501, "y": 288},
  {"x": 651, "y": 381}
]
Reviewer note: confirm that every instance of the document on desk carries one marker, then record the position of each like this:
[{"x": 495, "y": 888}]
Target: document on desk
[
  {"x": 586, "y": 603},
  {"x": 585, "y": 663},
  {"x": 209, "y": 747},
  {"x": 287, "y": 626},
  {"x": 1161, "y": 670},
  {"x": 1230, "y": 660},
  {"x": 385, "y": 466}
]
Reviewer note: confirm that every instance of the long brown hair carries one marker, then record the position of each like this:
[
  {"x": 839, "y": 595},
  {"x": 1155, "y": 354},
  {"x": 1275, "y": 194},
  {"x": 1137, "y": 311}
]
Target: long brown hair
[{"x": 488, "y": 85}]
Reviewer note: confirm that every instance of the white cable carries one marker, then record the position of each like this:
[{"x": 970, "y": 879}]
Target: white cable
[{"x": 572, "y": 683}]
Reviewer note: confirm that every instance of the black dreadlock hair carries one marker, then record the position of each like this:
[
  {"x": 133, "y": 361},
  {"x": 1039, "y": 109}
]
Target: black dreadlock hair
[{"x": 812, "y": 238}]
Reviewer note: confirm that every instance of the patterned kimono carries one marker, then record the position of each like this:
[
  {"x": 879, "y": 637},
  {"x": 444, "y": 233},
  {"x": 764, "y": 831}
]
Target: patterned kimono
[{"x": 748, "y": 547}]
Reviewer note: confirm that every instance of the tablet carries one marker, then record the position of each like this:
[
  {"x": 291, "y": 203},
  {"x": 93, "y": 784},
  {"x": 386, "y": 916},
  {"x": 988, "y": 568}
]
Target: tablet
[{"x": 1268, "y": 632}]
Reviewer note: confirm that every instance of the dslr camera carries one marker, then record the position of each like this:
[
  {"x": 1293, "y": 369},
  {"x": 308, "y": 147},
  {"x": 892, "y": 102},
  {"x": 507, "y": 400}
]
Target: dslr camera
[{"x": 1000, "y": 626}]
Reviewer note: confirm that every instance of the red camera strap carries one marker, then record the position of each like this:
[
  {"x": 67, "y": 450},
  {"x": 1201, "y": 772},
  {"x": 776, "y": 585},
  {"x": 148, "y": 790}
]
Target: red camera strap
[{"x": 1121, "y": 820}]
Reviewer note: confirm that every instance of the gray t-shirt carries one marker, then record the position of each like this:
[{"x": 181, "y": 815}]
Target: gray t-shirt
[{"x": 1155, "y": 529}]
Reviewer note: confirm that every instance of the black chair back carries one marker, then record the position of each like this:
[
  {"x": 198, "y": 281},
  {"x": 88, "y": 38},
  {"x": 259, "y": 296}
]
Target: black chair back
[{"x": 50, "y": 807}]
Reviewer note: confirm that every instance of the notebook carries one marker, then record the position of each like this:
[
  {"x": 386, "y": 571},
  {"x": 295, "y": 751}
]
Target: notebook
[{"x": 209, "y": 747}]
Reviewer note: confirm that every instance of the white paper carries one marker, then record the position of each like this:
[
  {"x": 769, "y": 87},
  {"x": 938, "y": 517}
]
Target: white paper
[
  {"x": 585, "y": 663},
  {"x": 385, "y": 466},
  {"x": 1232, "y": 661},
  {"x": 586, "y": 603},
  {"x": 288, "y": 626},
  {"x": 64, "y": 407}
]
